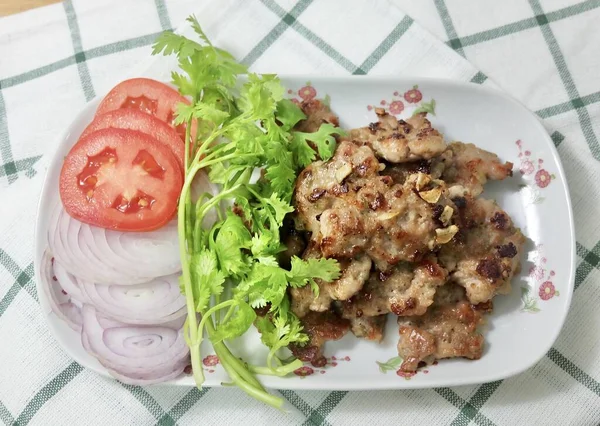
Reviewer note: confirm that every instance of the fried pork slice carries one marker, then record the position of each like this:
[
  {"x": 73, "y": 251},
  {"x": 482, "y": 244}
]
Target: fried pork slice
[
  {"x": 400, "y": 172},
  {"x": 342, "y": 232},
  {"x": 398, "y": 141},
  {"x": 316, "y": 113},
  {"x": 323, "y": 185},
  {"x": 354, "y": 273},
  {"x": 369, "y": 328},
  {"x": 320, "y": 327},
  {"x": 485, "y": 254},
  {"x": 406, "y": 290},
  {"x": 349, "y": 208},
  {"x": 470, "y": 167},
  {"x": 404, "y": 219},
  {"x": 447, "y": 330}
]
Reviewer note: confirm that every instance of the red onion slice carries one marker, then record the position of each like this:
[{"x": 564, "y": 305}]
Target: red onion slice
[
  {"x": 155, "y": 302},
  {"x": 58, "y": 299},
  {"x": 133, "y": 353},
  {"x": 144, "y": 380},
  {"x": 107, "y": 256},
  {"x": 68, "y": 282}
]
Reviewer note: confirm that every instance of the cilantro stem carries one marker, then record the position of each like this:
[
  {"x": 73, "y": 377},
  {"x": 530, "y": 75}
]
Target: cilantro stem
[
  {"x": 188, "y": 130},
  {"x": 242, "y": 373},
  {"x": 206, "y": 315},
  {"x": 281, "y": 371},
  {"x": 187, "y": 281},
  {"x": 229, "y": 313}
]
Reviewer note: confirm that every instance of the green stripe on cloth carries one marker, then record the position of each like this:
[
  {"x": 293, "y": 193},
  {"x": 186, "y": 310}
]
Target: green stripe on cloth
[
  {"x": 5, "y": 148},
  {"x": 590, "y": 259},
  {"x": 574, "y": 371},
  {"x": 84, "y": 72},
  {"x": 183, "y": 406},
  {"x": 569, "y": 105},
  {"x": 567, "y": 79},
  {"x": 23, "y": 281},
  {"x": 523, "y": 24},
  {"x": 319, "y": 415},
  {"x": 479, "y": 78},
  {"x": 15, "y": 167},
  {"x": 454, "y": 41},
  {"x": 163, "y": 14},
  {"x": 47, "y": 392},
  {"x": 557, "y": 138},
  {"x": 310, "y": 36},
  {"x": 475, "y": 403},
  {"x": 96, "y": 52},
  {"x": 297, "y": 401},
  {"x": 5, "y": 415},
  {"x": 148, "y": 401},
  {"x": 9, "y": 264},
  {"x": 385, "y": 46},
  {"x": 465, "y": 407},
  {"x": 276, "y": 32}
]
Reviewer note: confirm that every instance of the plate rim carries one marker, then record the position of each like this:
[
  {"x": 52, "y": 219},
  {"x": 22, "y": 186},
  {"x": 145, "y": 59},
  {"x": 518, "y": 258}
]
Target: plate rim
[{"x": 369, "y": 385}]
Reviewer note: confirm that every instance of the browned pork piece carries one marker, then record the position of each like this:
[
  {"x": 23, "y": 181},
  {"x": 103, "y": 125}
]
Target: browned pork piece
[
  {"x": 349, "y": 208},
  {"x": 320, "y": 327},
  {"x": 407, "y": 289},
  {"x": 354, "y": 273},
  {"x": 405, "y": 222},
  {"x": 317, "y": 113},
  {"x": 468, "y": 168},
  {"x": 324, "y": 185},
  {"x": 369, "y": 328},
  {"x": 398, "y": 141},
  {"x": 485, "y": 254},
  {"x": 448, "y": 329}
]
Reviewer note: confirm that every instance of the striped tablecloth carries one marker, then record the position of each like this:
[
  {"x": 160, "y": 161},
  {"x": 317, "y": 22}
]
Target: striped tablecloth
[{"x": 546, "y": 53}]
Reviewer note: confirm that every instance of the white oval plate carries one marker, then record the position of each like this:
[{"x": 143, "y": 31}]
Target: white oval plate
[{"x": 524, "y": 324}]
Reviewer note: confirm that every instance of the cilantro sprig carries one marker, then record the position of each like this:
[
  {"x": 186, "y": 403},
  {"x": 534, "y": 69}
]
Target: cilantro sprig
[{"x": 233, "y": 129}]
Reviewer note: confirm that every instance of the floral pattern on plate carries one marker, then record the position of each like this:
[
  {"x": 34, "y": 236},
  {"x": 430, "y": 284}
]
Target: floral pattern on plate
[
  {"x": 540, "y": 277},
  {"x": 534, "y": 174},
  {"x": 306, "y": 93},
  {"x": 409, "y": 100},
  {"x": 393, "y": 364}
]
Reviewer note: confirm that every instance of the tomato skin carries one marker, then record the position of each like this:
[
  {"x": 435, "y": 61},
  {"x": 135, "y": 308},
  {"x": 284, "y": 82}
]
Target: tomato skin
[
  {"x": 119, "y": 175},
  {"x": 146, "y": 95},
  {"x": 166, "y": 98},
  {"x": 128, "y": 118}
]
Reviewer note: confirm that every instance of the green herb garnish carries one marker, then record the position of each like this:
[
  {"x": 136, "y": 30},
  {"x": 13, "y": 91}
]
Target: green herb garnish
[{"x": 240, "y": 128}]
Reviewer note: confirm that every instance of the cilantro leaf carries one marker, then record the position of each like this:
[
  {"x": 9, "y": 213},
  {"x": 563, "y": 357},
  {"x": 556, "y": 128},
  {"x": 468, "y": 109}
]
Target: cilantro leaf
[
  {"x": 323, "y": 139},
  {"x": 305, "y": 271},
  {"x": 208, "y": 279},
  {"x": 236, "y": 325},
  {"x": 288, "y": 114},
  {"x": 231, "y": 239},
  {"x": 280, "y": 332},
  {"x": 265, "y": 284},
  {"x": 279, "y": 207},
  {"x": 259, "y": 96}
]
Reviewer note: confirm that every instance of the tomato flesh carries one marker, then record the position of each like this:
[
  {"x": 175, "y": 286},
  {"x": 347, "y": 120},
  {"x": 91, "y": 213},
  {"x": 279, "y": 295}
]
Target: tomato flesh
[
  {"x": 121, "y": 179},
  {"x": 87, "y": 178},
  {"x": 137, "y": 203},
  {"x": 149, "y": 96},
  {"x": 135, "y": 119},
  {"x": 141, "y": 103}
]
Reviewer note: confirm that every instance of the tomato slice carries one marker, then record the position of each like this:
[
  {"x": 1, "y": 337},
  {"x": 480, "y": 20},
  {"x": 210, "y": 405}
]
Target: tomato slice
[
  {"x": 121, "y": 179},
  {"x": 146, "y": 95},
  {"x": 137, "y": 120}
]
